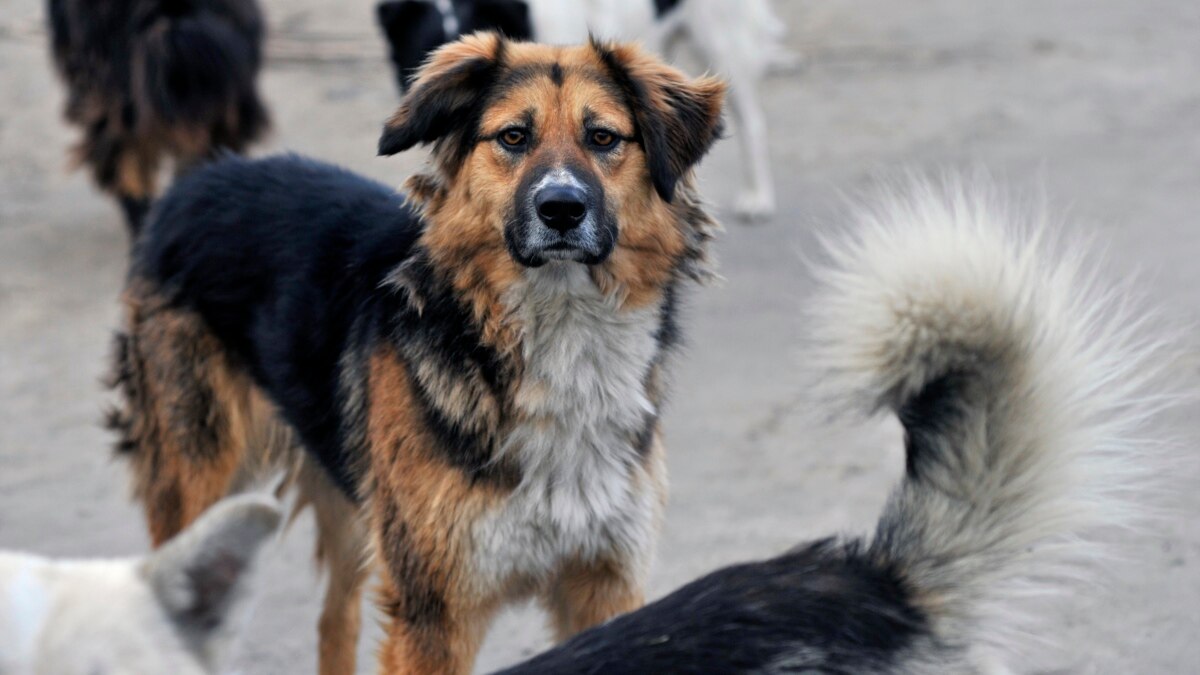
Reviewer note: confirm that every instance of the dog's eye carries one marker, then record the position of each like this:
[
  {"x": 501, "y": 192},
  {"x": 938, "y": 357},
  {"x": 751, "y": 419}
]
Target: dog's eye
[
  {"x": 602, "y": 139},
  {"x": 513, "y": 138}
]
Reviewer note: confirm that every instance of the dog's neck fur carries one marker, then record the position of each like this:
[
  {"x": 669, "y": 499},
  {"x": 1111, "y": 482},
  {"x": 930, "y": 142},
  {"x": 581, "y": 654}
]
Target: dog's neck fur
[
  {"x": 562, "y": 325},
  {"x": 579, "y": 411},
  {"x": 582, "y": 397}
]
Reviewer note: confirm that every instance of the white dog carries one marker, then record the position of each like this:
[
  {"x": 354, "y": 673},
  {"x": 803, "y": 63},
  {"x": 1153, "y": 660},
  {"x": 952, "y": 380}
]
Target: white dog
[{"x": 173, "y": 612}]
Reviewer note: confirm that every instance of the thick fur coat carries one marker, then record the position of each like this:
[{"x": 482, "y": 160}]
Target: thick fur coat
[{"x": 466, "y": 380}]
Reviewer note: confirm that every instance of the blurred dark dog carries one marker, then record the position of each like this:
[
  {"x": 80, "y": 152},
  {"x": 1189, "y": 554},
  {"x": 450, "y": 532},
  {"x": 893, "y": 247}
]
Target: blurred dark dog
[
  {"x": 414, "y": 28},
  {"x": 148, "y": 79}
]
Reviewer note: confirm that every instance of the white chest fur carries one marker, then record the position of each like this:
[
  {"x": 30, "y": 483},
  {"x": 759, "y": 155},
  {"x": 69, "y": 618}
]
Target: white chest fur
[{"x": 585, "y": 491}]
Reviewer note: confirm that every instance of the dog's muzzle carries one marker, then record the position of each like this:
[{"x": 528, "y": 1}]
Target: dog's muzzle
[{"x": 560, "y": 218}]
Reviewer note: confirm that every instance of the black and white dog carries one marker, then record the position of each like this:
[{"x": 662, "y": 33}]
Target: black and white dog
[{"x": 737, "y": 40}]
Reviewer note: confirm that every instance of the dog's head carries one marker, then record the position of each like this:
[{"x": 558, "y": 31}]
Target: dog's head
[
  {"x": 559, "y": 154},
  {"x": 414, "y": 28}
]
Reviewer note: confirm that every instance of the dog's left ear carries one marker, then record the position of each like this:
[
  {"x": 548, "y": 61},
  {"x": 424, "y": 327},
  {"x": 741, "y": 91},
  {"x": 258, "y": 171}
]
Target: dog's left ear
[
  {"x": 678, "y": 118},
  {"x": 447, "y": 96},
  {"x": 199, "y": 577}
]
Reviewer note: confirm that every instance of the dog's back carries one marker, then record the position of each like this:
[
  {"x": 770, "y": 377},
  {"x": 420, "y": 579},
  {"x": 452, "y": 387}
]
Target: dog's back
[
  {"x": 150, "y": 79},
  {"x": 275, "y": 254}
]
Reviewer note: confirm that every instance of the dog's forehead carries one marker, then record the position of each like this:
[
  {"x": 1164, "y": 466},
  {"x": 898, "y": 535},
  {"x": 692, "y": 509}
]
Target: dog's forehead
[
  {"x": 518, "y": 54},
  {"x": 546, "y": 84}
]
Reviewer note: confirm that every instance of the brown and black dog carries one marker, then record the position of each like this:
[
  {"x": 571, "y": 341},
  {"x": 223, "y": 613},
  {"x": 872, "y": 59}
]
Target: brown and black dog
[
  {"x": 154, "y": 79},
  {"x": 465, "y": 381}
]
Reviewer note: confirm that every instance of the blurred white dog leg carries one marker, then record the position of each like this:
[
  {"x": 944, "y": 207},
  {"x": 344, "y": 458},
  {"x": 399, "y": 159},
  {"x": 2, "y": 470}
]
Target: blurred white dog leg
[{"x": 756, "y": 200}]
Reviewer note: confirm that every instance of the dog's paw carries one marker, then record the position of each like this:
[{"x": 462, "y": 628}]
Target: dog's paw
[{"x": 753, "y": 206}]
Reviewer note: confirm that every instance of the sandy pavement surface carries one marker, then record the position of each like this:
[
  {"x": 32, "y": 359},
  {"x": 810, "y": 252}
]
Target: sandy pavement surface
[{"x": 1094, "y": 103}]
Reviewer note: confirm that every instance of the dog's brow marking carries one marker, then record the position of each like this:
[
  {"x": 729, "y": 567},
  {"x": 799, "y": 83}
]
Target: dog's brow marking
[{"x": 520, "y": 74}]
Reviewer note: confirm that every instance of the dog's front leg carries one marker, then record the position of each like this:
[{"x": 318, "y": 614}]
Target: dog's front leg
[
  {"x": 428, "y": 632},
  {"x": 586, "y": 594}
]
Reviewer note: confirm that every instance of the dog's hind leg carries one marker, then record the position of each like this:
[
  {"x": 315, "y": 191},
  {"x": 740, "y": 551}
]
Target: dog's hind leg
[
  {"x": 134, "y": 187},
  {"x": 184, "y": 413},
  {"x": 342, "y": 550}
]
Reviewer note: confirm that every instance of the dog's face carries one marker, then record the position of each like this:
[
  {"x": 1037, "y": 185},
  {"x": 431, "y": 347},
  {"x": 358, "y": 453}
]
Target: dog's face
[
  {"x": 558, "y": 141},
  {"x": 556, "y": 154}
]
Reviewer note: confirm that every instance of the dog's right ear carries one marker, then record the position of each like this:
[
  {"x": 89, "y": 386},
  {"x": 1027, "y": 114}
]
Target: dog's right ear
[
  {"x": 447, "y": 97},
  {"x": 199, "y": 577}
]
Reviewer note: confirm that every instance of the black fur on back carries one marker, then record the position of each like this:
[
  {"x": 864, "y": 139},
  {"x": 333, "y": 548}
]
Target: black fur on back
[
  {"x": 294, "y": 265},
  {"x": 153, "y": 78},
  {"x": 826, "y": 607},
  {"x": 200, "y": 63},
  {"x": 285, "y": 260}
]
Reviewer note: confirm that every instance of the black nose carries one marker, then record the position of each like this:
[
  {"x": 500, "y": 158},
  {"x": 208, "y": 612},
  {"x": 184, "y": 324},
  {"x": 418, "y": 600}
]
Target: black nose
[{"x": 561, "y": 207}]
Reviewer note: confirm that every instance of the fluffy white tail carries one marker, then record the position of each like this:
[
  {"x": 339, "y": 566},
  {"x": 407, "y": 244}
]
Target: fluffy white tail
[{"x": 1024, "y": 386}]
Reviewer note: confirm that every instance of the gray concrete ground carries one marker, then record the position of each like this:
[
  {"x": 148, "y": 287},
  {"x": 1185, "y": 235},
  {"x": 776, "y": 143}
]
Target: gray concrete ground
[{"x": 1097, "y": 102}]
